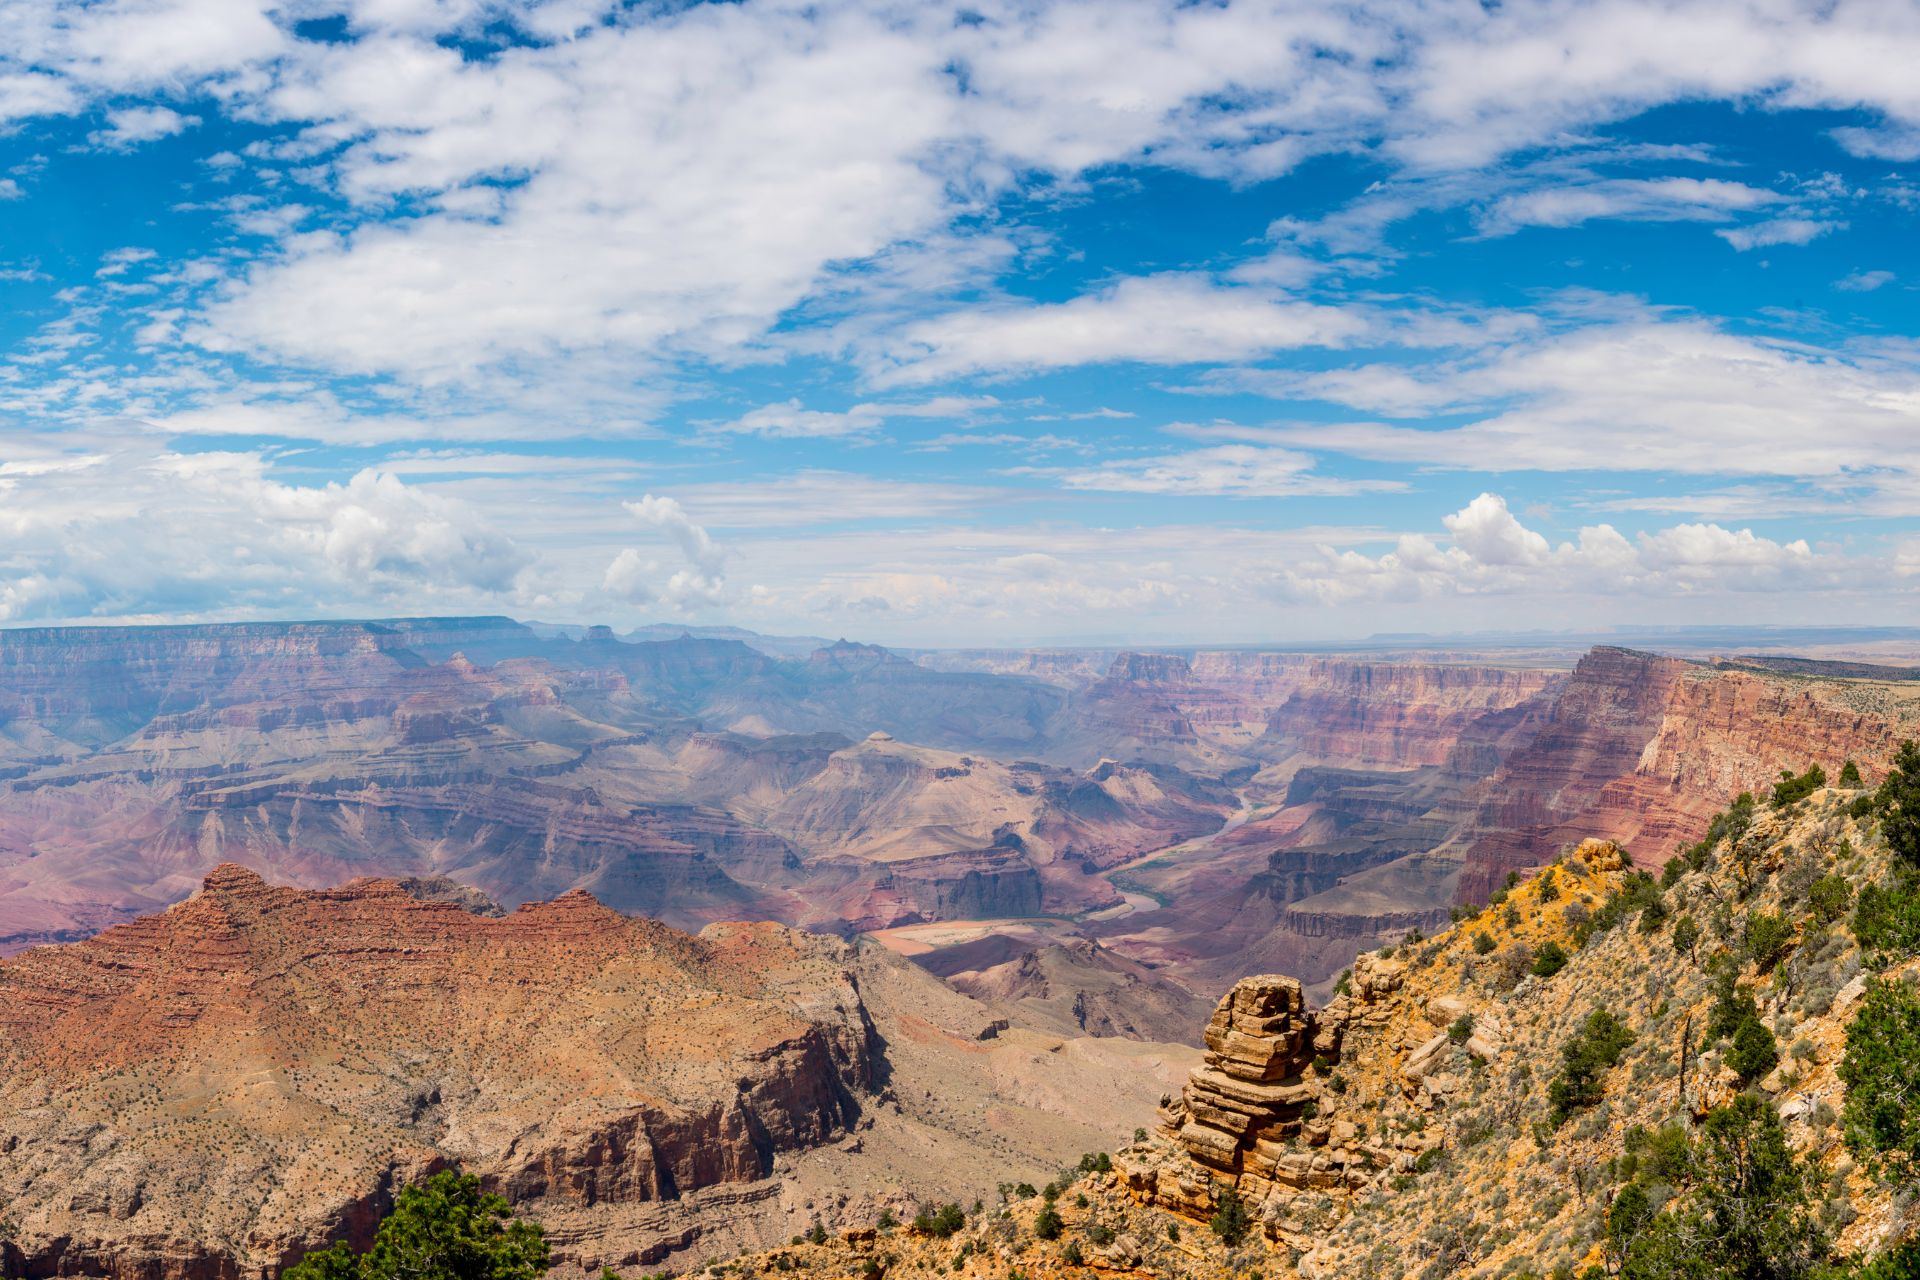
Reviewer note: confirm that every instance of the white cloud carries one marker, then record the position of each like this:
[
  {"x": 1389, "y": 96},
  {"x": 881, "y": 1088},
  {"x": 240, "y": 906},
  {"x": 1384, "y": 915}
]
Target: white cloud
[
  {"x": 702, "y": 583},
  {"x": 1778, "y": 231},
  {"x": 1490, "y": 552},
  {"x": 132, "y": 530},
  {"x": 131, "y": 126},
  {"x": 1638, "y": 395},
  {"x": 1864, "y": 281},
  {"x": 1242, "y": 471},
  {"x": 1900, "y": 143},
  {"x": 1164, "y": 319},
  {"x": 789, "y": 420},
  {"x": 816, "y": 496},
  {"x": 1639, "y": 199}
]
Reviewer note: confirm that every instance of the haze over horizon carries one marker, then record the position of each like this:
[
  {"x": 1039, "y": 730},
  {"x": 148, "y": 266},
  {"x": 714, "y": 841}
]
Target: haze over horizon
[{"x": 940, "y": 325}]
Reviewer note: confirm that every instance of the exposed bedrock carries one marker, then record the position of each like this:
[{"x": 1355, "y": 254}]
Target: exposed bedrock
[{"x": 206, "y": 1092}]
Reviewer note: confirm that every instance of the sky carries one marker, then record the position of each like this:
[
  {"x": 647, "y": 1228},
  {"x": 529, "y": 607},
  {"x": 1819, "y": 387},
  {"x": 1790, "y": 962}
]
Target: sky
[{"x": 995, "y": 323}]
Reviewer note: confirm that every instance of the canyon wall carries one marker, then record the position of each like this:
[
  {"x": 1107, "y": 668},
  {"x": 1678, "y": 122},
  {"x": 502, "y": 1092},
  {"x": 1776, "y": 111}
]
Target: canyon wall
[{"x": 205, "y": 1093}]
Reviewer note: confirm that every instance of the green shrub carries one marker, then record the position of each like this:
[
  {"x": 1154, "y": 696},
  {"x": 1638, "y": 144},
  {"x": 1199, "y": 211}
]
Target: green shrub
[
  {"x": 1551, "y": 960},
  {"x": 1231, "y": 1221},
  {"x": 1898, "y": 801},
  {"x": 445, "y": 1228},
  {"x": 1749, "y": 1216},
  {"x": 1482, "y": 943},
  {"x": 1047, "y": 1223},
  {"x": 1886, "y": 918},
  {"x": 1584, "y": 1059},
  {"x": 1754, "y": 1052},
  {"x": 1686, "y": 935},
  {"x": 1767, "y": 937},
  {"x": 1850, "y": 775},
  {"x": 1881, "y": 1069},
  {"x": 1829, "y": 897},
  {"x": 1792, "y": 789},
  {"x": 942, "y": 1224}
]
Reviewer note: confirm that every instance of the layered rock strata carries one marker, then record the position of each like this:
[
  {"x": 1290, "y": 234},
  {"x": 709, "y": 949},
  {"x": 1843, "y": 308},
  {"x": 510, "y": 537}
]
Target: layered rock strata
[{"x": 207, "y": 1092}]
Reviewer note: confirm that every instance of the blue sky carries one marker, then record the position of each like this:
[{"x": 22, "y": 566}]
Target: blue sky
[{"x": 995, "y": 323}]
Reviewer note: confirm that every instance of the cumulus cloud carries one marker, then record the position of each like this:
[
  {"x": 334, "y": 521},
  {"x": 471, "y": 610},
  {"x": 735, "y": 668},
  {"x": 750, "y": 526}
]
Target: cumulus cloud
[
  {"x": 1488, "y": 551},
  {"x": 131, "y": 126},
  {"x": 702, "y": 583},
  {"x": 1864, "y": 281},
  {"x": 134, "y": 530}
]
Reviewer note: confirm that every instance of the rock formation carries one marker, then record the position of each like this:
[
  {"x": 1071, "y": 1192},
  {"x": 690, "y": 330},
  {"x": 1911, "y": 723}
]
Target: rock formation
[{"x": 205, "y": 1093}]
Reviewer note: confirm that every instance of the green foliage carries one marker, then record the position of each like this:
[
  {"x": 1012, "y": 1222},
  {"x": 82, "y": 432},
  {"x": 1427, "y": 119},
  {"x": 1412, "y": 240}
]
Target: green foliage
[
  {"x": 1671, "y": 874},
  {"x": 1886, "y": 918},
  {"x": 1551, "y": 960},
  {"x": 941, "y": 1224},
  {"x": 1627, "y": 1217},
  {"x": 1830, "y": 896},
  {"x": 1729, "y": 826},
  {"x": 1482, "y": 943},
  {"x": 1898, "y": 801},
  {"x": 1686, "y": 935},
  {"x": 1548, "y": 885},
  {"x": 1733, "y": 1005},
  {"x": 1899, "y": 1263},
  {"x": 1231, "y": 1220},
  {"x": 1461, "y": 1029},
  {"x": 1791, "y": 789},
  {"x": 816, "y": 1234},
  {"x": 1881, "y": 1069},
  {"x": 1850, "y": 775},
  {"x": 1663, "y": 1152},
  {"x": 1749, "y": 1216},
  {"x": 445, "y": 1228},
  {"x": 1047, "y": 1223},
  {"x": 1754, "y": 1052},
  {"x": 1584, "y": 1059},
  {"x": 1767, "y": 937},
  {"x": 886, "y": 1221},
  {"x": 1096, "y": 1162}
]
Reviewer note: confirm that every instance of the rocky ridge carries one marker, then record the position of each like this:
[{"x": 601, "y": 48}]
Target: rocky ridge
[
  {"x": 1397, "y": 1130},
  {"x": 208, "y": 1092}
]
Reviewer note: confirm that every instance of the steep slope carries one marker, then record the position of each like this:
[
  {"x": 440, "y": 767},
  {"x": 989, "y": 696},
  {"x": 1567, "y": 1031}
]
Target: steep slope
[
  {"x": 1642, "y": 749},
  {"x": 1636, "y": 748},
  {"x": 1408, "y": 1127},
  {"x": 207, "y": 1092}
]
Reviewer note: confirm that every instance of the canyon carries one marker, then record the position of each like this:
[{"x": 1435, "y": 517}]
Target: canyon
[
  {"x": 685, "y": 945},
  {"x": 1193, "y": 814}
]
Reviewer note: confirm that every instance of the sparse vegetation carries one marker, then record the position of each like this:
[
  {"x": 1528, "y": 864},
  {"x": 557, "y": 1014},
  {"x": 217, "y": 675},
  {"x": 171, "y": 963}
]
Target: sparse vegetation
[{"x": 1231, "y": 1220}]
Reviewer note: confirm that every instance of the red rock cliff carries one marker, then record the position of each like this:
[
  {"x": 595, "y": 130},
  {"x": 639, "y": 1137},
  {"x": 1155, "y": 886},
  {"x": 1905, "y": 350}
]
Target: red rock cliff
[{"x": 208, "y": 1091}]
